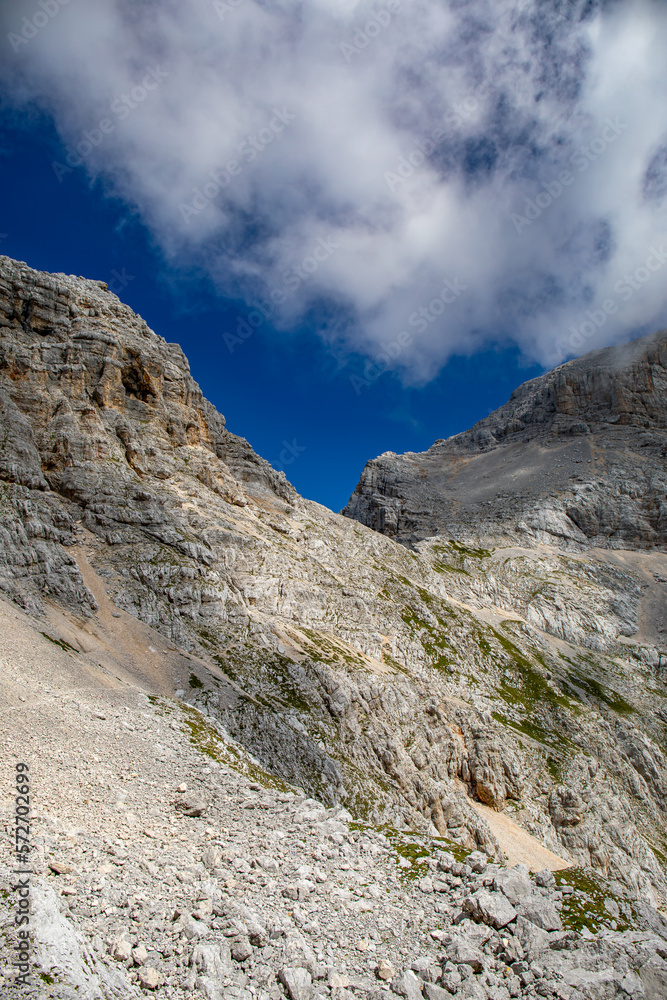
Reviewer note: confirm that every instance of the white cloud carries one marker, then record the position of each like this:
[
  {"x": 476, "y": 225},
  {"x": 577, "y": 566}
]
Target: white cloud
[{"x": 309, "y": 110}]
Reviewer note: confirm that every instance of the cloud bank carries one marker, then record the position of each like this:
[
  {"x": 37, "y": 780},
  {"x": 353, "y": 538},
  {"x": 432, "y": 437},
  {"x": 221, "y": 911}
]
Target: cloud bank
[{"x": 338, "y": 162}]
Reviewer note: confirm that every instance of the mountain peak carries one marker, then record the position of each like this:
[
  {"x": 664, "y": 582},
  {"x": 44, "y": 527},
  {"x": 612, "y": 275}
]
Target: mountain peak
[{"x": 604, "y": 413}]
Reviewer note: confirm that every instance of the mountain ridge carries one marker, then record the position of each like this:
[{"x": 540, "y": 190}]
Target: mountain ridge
[
  {"x": 608, "y": 409},
  {"x": 412, "y": 685}
]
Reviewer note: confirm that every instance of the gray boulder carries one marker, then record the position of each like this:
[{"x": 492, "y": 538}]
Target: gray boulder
[
  {"x": 297, "y": 982},
  {"x": 492, "y": 908},
  {"x": 407, "y": 985}
]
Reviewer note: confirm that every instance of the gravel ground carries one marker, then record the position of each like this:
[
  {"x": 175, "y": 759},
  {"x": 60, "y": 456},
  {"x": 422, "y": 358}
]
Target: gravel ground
[{"x": 167, "y": 861}]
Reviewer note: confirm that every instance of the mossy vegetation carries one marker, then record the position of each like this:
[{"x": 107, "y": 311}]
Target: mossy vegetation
[
  {"x": 483, "y": 644},
  {"x": 416, "y": 856},
  {"x": 391, "y": 662},
  {"x": 59, "y": 642},
  {"x": 365, "y": 791},
  {"x": 164, "y": 555},
  {"x": 325, "y": 649},
  {"x": 417, "y": 849},
  {"x": 207, "y": 637},
  {"x": 272, "y": 680},
  {"x": 662, "y": 857},
  {"x": 453, "y": 556},
  {"x": 525, "y": 685},
  {"x": 206, "y": 738},
  {"x": 441, "y": 567},
  {"x": 597, "y": 692},
  {"x": 585, "y": 906},
  {"x": 461, "y": 550},
  {"x": 581, "y": 686},
  {"x": 226, "y": 664},
  {"x": 559, "y": 748},
  {"x": 433, "y": 639}
]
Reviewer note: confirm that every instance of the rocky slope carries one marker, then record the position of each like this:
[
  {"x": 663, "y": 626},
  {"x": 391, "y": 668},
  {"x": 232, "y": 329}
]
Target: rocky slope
[
  {"x": 576, "y": 458},
  {"x": 169, "y": 862},
  {"x": 457, "y": 690}
]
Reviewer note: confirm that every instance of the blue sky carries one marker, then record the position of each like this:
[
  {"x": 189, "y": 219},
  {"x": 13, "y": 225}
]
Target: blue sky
[
  {"x": 411, "y": 208},
  {"x": 272, "y": 389}
]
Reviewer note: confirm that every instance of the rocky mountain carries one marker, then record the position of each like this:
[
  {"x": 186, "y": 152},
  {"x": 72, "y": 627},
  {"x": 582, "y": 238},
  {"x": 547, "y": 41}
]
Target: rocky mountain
[
  {"x": 493, "y": 683},
  {"x": 576, "y": 457}
]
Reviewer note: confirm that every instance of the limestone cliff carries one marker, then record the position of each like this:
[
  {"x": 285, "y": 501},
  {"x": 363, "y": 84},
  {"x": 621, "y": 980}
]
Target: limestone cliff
[
  {"x": 576, "y": 457},
  {"x": 414, "y": 686}
]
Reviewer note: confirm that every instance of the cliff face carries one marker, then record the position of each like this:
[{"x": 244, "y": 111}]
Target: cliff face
[
  {"x": 416, "y": 687},
  {"x": 577, "y": 456},
  {"x": 92, "y": 403}
]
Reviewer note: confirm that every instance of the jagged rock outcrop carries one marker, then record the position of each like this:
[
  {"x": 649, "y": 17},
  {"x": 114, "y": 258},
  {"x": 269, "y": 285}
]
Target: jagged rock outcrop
[{"x": 415, "y": 687}]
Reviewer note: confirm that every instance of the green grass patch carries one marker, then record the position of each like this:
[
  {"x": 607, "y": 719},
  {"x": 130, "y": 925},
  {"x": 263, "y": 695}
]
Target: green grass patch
[
  {"x": 530, "y": 688},
  {"x": 596, "y": 691},
  {"x": 434, "y": 643},
  {"x": 461, "y": 550},
  {"x": 206, "y": 738},
  {"x": 662, "y": 858},
  {"x": 441, "y": 567},
  {"x": 323, "y": 649},
  {"x": 559, "y": 748},
  {"x": 470, "y": 553},
  {"x": 59, "y": 642},
  {"x": 417, "y": 849},
  {"x": 391, "y": 662},
  {"x": 585, "y": 906}
]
